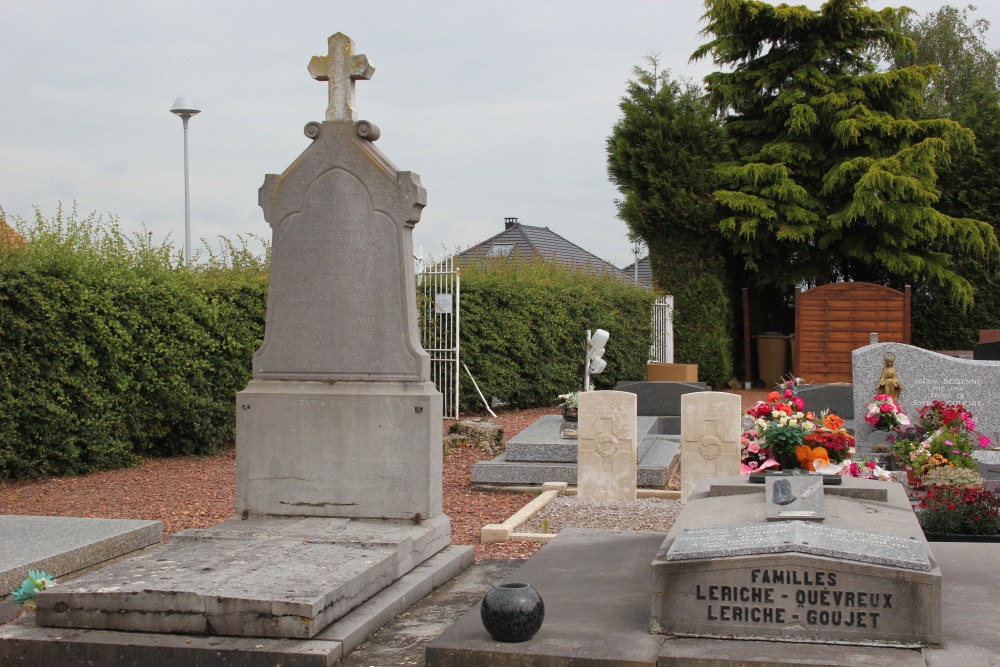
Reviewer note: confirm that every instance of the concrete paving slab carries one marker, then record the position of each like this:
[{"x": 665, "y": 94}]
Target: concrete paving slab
[
  {"x": 596, "y": 614},
  {"x": 596, "y": 589},
  {"x": 64, "y": 545}
]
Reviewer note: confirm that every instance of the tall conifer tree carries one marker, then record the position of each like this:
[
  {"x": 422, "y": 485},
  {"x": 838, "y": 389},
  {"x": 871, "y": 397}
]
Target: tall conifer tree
[
  {"x": 662, "y": 155},
  {"x": 835, "y": 180}
]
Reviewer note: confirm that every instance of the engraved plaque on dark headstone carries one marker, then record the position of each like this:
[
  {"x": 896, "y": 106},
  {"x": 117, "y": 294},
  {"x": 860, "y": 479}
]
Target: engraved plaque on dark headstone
[{"x": 794, "y": 497}]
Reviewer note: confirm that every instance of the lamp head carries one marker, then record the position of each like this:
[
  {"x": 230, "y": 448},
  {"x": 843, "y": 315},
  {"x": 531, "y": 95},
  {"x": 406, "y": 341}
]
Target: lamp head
[{"x": 185, "y": 106}]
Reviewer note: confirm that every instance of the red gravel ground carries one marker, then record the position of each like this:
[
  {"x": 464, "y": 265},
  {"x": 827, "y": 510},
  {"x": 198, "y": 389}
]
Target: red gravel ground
[{"x": 196, "y": 492}]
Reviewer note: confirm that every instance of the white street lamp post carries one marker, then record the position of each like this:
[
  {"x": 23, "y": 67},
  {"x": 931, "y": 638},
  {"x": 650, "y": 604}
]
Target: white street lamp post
[{"x": 185, "y": 108}]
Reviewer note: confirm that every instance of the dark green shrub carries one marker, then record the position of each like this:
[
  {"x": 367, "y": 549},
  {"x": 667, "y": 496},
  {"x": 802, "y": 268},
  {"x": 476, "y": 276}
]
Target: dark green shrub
[
  {"x": 524, "y": 327},
  {"x": 111, "y": 349}
]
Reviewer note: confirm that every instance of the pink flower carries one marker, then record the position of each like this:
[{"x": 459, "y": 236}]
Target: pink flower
[
  {"x": 799, "y": 403},
  {"x": 885, "y": 407},
  {"x": 753, "y": 448},
  {"x": 789, "y": 393}
]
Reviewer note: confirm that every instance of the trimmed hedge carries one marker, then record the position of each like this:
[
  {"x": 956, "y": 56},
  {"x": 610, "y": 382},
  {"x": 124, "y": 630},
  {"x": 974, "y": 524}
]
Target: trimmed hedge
[
  {"x": 524, "y": 327},
  {"x": 112, "y": 349}
]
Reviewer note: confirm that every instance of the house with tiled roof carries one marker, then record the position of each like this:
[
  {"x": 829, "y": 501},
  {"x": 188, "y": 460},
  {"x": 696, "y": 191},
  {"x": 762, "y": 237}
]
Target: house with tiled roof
[
  {"x": 9, "y": 235},
  {"x": 640, "y": 272},
  {"x": 526, "y": 241}
]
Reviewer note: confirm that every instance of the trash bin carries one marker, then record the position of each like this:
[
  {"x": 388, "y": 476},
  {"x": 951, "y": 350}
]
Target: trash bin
[{"x": 772, "y": 357}]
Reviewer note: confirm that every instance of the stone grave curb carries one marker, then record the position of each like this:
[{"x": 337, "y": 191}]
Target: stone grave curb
[
  {"x": 504, "y": 532},
  {"x": 77, "y": 544}
]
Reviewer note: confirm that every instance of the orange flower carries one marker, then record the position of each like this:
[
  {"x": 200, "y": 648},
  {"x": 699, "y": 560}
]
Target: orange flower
[
  {"x": 820, "y": 457},
  {"x": 811, "y": 457},
  {"x": 773, "y": 396},
  {"x": 784, "y": 407},
  {"x": 833, "y": 422},
  {"x": 804, "y": 454}
]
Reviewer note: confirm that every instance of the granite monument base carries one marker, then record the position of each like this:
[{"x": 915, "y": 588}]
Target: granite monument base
[
  {"x": 271, "y": 577},
  {"x": 540, "y": 454},
  {"x": 863, "y": 575},
  {"x": 363, "y": 449}
]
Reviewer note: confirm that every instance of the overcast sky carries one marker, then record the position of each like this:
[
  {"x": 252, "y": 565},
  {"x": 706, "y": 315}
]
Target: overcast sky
[{"x": 501, "y": 107}]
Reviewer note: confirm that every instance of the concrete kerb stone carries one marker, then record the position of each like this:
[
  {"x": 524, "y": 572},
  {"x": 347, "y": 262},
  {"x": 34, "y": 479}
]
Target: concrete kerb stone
[
  {"x": 501, "y": 532},
  {"x": 504, "y": 532}
]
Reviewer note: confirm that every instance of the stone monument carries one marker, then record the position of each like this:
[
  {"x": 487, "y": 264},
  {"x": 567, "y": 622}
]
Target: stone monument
[
  {"x": 338, "y": 435},
  {"x": 606, "y": 458},
  {"x": 710, "y": 437},
  {"x": 341, "y": 418}
]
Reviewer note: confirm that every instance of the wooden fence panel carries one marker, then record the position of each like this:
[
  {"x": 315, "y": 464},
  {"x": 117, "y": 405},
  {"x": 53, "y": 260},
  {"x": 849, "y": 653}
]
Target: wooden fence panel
[{"x": 831, "y": 321}]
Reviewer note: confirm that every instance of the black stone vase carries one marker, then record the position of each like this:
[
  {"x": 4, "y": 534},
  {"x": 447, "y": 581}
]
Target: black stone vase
[
  {"x": 512, "y": 612},
  {"x": 788, "y": 460}
]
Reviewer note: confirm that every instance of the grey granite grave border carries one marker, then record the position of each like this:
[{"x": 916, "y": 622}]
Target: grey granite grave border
[{"x": 65, "y": 545}]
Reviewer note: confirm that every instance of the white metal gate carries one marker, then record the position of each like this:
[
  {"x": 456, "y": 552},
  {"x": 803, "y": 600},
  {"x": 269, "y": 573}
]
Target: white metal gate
[
  {"x": 439, "y": 283},
  {"x": 662, "y": 349}
]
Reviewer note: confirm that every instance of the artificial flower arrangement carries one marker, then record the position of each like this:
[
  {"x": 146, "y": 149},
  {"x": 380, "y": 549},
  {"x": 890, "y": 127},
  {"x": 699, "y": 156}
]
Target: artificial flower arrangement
[
  {"x": 864, "y": 469},
  {"x": 755, "y": 457},
  {"x": 570, "y": 406},
  {"x": 949, "y": 439},
  {"x": 831, "y": 437},
  {"x": 948, "y": 475},
  {"x": 884, "y": 412},
  {"x": 775, "y": 427},
  {"x": 37, "y": 580},
  {"x": 950, "y": 510}
]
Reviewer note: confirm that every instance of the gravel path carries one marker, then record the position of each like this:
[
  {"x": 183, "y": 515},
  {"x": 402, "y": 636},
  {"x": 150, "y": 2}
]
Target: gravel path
[
  {"x": 652, "y": 514},
  {"x": 196, "y": 492}
]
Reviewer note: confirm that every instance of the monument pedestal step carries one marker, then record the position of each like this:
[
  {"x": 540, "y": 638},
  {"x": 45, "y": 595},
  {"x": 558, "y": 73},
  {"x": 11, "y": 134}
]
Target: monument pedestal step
[
  {"x": 22, "y": 642},
  {"x": 262, "y": 577}
]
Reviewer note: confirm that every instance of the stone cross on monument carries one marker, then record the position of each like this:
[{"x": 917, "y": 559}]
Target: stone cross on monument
[{"x": 341, "y": 68}]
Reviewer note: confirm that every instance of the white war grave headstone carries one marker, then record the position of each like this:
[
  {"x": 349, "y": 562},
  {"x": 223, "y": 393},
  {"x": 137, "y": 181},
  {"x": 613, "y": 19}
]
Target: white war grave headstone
[
  {"x": 710, "y": 437},
  {"x": 606, "y": 447}
]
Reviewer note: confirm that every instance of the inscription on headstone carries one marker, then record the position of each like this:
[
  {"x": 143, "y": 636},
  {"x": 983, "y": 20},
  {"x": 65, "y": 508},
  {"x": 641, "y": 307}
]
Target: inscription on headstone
[
  {"x": 926, "y": 377},
  {"x": 797, "y": 580}
]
